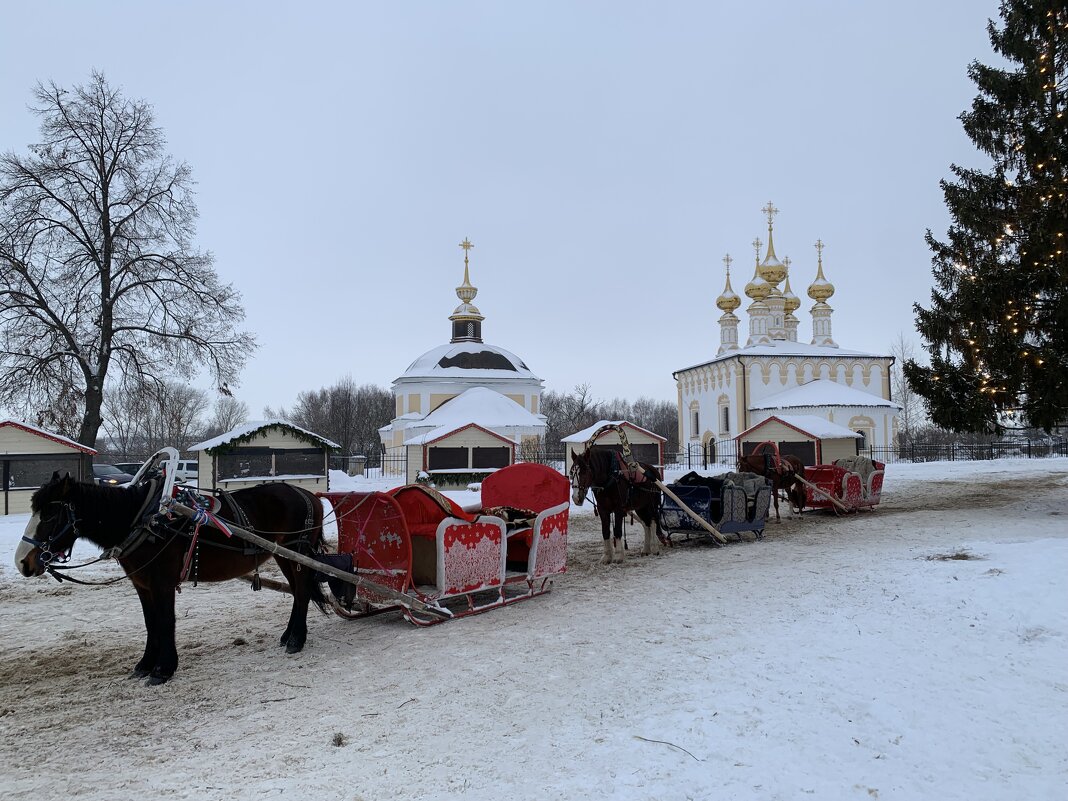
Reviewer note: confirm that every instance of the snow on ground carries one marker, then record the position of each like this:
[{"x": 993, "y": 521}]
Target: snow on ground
[{"x": 836, "y": 659}]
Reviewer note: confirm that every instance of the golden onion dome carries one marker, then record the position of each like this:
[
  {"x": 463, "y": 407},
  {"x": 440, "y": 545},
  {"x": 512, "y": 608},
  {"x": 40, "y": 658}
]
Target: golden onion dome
[
  {"x": 728, "y": 301},
  {"x": 793, "y": 303},
  {"x": 821, "y": 289},
  {"x": 758, "y": 288},
  {"x": 771, "y": 269}
]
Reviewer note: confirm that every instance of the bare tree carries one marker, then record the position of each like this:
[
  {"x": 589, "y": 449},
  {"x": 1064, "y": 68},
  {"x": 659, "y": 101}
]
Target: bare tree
[
  {"x": 348, "y": 414},
  {"x": 140, "y": 422},
  {"x": 100, "y": 283},
  {"x": 570, "y": 412},
  {"x": 124, "y": 415},
  {"x": 176, "y": 415},
  {"x": 912, "y": 415},
  {"x": 229, "y": 413}
]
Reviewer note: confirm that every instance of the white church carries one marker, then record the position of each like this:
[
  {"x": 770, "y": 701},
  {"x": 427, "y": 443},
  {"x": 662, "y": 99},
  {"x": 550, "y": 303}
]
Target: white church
[
  {"x": 465, "y": 399},
  {"x": 773, "y": 374}
]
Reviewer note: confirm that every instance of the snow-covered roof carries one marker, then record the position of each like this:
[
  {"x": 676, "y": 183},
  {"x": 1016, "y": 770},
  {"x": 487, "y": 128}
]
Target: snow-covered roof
[
  {"x": 478, "y": 405},
  {"x": 468, "y": 360},
  {"x": 586, "y": 433},
  {"x": 822, "y": 392},
  {"x": 817, "y": 427},
  {"x": 443, "y": 431},
  {"x": 58, "y": 438},
  {"x": 784, "y": 347},
  {"x": 252, "y": 427}
]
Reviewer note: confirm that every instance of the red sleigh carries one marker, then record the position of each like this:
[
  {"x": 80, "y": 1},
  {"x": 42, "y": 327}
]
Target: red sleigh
[
  {"x": 855, "y": 483},
  {"x": 416, "y": 541}
]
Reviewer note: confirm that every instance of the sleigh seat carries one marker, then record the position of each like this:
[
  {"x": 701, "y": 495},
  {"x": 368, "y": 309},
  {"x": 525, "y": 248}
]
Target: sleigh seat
[{"x": 533, "y": 500}]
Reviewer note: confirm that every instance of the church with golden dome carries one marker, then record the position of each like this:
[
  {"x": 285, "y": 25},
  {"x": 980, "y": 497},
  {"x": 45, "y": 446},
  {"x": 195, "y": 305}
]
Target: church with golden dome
[
  {"x": 465, "y": 388},
  {"x": 773, "y": 374}
]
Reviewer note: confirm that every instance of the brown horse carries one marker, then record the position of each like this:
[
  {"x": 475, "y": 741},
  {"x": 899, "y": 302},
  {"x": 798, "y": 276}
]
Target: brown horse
[
  {"x": 157, "y": 553},
  {"x": 615, "y": 493},
  {"x": 782, "y": 472}
]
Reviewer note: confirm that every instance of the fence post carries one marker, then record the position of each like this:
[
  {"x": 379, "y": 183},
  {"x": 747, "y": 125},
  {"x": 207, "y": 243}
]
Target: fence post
[{"x": 1028, "y": 449}]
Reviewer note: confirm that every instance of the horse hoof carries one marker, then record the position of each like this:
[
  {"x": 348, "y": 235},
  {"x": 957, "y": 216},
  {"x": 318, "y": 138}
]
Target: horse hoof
[
  {"x": 294, "y": 648},
  {"x": 155, "y": 679},
  {"x": 139, "y": 673}
]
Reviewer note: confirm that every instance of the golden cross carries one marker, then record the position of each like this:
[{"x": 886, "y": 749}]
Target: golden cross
[
  {"x": 727, "y": 260},
  {"x": 757, "y": 244},
  {"x": 466, "y": 245},
  {"x": 819, "y": 248},
  {"x": 771, "y": 211},
  {"x": 786, "y": 261}
]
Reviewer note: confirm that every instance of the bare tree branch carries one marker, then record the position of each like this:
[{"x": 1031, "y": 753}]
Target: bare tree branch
[{"x": 100, "y": 284}]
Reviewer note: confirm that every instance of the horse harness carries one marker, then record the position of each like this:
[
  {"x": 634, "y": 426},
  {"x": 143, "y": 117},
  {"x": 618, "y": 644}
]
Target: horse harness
[
  {"x": 150, "y": 525},
  {"x": 139, "y": 532}
]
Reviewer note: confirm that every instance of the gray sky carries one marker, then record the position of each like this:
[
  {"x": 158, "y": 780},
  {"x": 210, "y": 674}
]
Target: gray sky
[{"x": 602, "y": 157}]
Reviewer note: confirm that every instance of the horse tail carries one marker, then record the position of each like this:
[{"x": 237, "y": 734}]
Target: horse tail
[
  {"x": 318, "y": 598},
  {"x": 315, "y": 543}
]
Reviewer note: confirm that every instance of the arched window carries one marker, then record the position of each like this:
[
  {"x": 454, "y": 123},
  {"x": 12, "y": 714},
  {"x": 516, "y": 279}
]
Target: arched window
[{"x": 862, "y": 443}]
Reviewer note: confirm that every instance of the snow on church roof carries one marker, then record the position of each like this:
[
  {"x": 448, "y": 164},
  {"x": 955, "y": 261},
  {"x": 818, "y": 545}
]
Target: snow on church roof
[
  {"x": 468, "y": 360},
  {"x": 479, "y": 405},
  {"x": 822, "y": 392},
  {"x": 784, "y": 347},
  {"x": 809, "y": 424}
]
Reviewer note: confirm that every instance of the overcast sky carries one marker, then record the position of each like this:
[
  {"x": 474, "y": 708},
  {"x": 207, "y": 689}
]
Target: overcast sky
[{"x": 602, "y": 157}]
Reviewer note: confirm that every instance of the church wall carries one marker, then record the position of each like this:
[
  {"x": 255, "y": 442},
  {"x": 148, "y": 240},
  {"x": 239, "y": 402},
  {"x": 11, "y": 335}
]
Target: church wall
[
  {"x": 703, "y": 388},
  {"x": 438, "y": 398}
]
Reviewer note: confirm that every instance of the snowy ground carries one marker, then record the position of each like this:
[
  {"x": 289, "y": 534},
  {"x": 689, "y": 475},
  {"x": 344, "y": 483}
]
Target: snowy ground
[{"x": 833, "y": 660}]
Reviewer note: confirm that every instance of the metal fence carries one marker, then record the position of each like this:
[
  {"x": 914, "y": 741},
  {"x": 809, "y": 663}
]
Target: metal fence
[
  {"x": 958, "y": 452},
  {"x": 393, "y": 462},
  {"x": 384, "y": 463}
]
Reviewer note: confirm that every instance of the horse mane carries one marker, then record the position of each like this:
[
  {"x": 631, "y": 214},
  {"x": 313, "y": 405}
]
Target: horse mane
[{"x": 105, "y": 513}]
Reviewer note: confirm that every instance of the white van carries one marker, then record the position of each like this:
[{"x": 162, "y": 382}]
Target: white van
[{"x": 186, "y": 472}]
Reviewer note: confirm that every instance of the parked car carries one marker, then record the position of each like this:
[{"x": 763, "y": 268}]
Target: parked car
[
  {"x": 111, "y": 475},
  {"x": 186, "y": 472},
  {"x": 129, "y": 467}
]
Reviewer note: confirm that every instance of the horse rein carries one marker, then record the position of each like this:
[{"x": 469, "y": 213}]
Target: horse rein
[{"x": 46, "y": 554}]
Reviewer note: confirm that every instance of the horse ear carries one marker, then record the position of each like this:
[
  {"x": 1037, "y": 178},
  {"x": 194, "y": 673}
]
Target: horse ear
[{"x": 55, "y": 476}]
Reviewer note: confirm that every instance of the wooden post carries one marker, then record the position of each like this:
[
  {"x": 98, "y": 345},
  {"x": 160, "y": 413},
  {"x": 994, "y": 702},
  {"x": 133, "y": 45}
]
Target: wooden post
[
  {"x": 823, "y": 492},
  {"x": 704, "y": 523}
]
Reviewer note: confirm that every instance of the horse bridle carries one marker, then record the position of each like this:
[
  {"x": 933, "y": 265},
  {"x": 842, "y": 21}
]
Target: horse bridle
[
  {"x": 47, "y": 551},
  {"x": 576, "y": 483}
]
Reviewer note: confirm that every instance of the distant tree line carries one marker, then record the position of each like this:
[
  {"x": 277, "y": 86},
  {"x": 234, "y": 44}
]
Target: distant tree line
[
  {"x": 136, "y": 423},
  {"x": 568, "y": 412},
  {"x": 348, "y": 414}
]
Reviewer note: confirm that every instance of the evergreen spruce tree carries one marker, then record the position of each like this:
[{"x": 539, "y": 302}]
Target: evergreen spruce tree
[{"x": 997, "y": 326}]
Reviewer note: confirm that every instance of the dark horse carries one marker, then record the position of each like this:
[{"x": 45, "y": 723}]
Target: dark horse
[
  {"x": 153, "y": 551},
  {"x": 783, "y": 473},
  {"x": 615, "y": 492}
]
